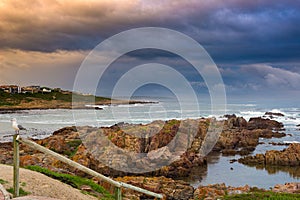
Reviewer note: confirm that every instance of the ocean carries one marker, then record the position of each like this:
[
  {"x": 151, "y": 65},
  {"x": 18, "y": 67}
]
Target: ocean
[{"x": 42, "y": 123}]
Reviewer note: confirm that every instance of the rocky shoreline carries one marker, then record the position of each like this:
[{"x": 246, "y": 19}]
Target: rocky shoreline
[
  {"x": 287, "y": 157},
  {"x": 45, "y": 105},
  {"x": 237, "y": 137}
]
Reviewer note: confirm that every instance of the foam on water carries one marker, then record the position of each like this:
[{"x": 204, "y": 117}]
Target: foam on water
[{"x": 140, "y": 113}]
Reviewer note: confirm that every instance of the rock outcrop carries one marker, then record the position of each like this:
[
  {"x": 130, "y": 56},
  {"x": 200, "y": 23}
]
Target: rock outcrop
[
  {"x": 287, "y": 157},
  {"x": 161, "y": 149},
  {"x": 170, "y": 149},
  {"x": 272, "y": 114},
  {"x": 287, "y": 188},
  {"x": 241, "y": 137},
  {"x": 261, "y": 123},
  {"x": 171, "y": 189},
  {"x": 216, "y": 191}
]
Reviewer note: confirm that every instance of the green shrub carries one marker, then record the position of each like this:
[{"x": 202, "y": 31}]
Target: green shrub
[
  {"x": 74, "y": 181},
  {"x": 268, "y": 195},
  {"x": 21, "y": 192}
]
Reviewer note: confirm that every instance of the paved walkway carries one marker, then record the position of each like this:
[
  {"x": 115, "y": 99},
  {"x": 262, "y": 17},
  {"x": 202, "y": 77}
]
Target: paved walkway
[
  {"x": 38, "y": 184},
  {"x": 34, "y": 198},
  {"x": 1, "y": 196},
  {"x": 4, "y": 195}
]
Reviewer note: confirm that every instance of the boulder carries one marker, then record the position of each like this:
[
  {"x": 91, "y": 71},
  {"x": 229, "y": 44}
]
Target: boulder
[
  {"x": 228, "y": 116},
  {"x": 271, "y": 114},
  {"x": 239, "y": 122},
  {"x": 261, "y": 123}
]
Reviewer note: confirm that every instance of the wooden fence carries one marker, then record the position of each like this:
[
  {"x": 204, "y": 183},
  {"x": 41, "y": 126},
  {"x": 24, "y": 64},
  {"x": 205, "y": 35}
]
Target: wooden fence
[{"x": 33, "y": 145}]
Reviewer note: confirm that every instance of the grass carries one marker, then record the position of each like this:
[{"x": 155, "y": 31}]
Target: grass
[
  {"x": 7, "y": 99},
  {"x": 268, "y": 195},
  {"x": 74, "y": 181},
  {"x": 22, "y": 192},
  {"x": 3, "y": 181}
]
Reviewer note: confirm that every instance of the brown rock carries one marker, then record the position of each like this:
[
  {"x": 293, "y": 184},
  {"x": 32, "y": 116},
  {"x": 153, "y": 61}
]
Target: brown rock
[
  {"x": 237, "y": 122},
  {"x": 29, "y": 160},
  {"x": 287, "y": 157},
  {"x": 274, "y": 114},
  {"x": 261, "y": 123},
  {"x": 217, "y": 191},
  {"x": 287, "y": 188},
  {"x": 171, "y": 189}
]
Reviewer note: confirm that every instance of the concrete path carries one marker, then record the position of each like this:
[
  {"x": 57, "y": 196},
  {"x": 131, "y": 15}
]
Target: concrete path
[{"x": 38, "y": 184}]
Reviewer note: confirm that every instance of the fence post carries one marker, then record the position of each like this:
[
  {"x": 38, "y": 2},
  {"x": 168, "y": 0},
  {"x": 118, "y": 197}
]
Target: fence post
[
  {"x": 118, "y": 185},
  {"x": 16, "y": 165},
  {"x": 118, "y": 193}
]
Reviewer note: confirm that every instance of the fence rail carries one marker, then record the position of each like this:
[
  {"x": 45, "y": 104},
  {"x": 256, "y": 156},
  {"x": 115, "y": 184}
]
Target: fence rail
[{"x": 72, "y": 163}]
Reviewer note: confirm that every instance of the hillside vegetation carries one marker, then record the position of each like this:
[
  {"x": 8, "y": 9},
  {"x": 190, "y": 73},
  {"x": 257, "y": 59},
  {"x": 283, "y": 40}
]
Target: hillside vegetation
[{"x": 54, "y": 99}]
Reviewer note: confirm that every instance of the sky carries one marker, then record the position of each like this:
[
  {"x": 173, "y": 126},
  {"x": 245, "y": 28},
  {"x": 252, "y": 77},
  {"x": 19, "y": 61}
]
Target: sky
[{"x": 255, "y": 44}]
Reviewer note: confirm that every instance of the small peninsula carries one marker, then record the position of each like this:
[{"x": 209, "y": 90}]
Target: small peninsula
[{"x": 13, "y": 97}]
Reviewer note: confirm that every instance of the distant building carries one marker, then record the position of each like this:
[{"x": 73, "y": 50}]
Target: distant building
[
  {"x": 31, "y": 89},
  {"x": 57, "y": 90},
  {"x": 46, "y": 90},
  {"x": 15, "y": 89},
  {"x": 12, "y": 89}
]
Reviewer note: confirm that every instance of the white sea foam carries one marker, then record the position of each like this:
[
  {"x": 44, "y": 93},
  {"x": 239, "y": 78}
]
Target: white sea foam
[
  {"x": 291, "y": 142},
  {"x": 141, "y": 113},
  {"x": 249, "y": 114}
]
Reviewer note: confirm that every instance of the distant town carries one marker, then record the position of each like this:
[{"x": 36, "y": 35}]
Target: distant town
[{"x": 15, "y": 89}]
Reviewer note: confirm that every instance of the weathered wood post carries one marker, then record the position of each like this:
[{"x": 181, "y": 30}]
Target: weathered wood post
[
  {"x": 16, "y": 165},
  {"x": 118, "y": 193}
]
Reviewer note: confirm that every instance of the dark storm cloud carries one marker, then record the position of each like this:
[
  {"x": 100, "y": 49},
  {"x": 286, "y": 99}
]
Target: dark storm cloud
[
  {"x": 256, "y": 44},
  {"x": 261, "y": 33},
  {"x": 253, "y": 29}
]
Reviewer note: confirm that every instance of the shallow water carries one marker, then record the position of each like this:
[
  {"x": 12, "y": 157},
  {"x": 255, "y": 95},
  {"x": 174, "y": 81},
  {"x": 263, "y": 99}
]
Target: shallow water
[{"x": 219, "y": 170}]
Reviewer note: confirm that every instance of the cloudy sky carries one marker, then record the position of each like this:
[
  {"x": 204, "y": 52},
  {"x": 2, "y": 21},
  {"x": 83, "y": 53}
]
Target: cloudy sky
[{"x": 255, "y": 44}]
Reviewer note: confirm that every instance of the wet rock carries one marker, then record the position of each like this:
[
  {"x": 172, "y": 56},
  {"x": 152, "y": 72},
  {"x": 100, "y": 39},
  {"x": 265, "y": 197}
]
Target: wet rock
[
  {"x": 252, "y": 160},
  {"x": 279, "y": 143},
  {"x": 261, "y": 143},
  {"x": 228, "y": 116},
  {"x": 271, "y": 114},
  {"x": 261, "y": 123}
]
